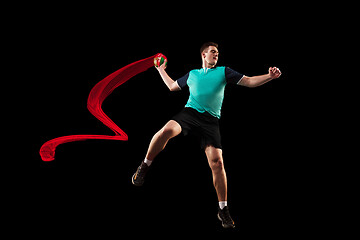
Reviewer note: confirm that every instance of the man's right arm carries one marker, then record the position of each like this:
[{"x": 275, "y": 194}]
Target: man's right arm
[{"x": 171, "y": 84}]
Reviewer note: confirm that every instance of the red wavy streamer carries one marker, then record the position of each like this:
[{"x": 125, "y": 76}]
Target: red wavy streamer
[{"x": 96, "y": 97}]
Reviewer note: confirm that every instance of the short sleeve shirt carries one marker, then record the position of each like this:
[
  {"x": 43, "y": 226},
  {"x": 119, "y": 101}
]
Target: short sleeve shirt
[{"x": 207, "y": 86}]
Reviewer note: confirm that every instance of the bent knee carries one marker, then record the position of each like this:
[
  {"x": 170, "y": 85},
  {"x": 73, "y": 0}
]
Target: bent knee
[
  {"x": 168, "y": 132},
  {"x": 217, "y": 163}
]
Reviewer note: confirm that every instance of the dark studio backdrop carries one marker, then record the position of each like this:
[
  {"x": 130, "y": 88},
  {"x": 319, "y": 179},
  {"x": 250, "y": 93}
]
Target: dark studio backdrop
[{"x": 90, "y": 181}]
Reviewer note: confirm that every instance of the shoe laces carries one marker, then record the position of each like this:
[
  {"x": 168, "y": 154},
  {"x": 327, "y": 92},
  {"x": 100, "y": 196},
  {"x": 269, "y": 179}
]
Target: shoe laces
[
  {"x": 225, "y": 214},
  {"x": 142, "y": 170}
]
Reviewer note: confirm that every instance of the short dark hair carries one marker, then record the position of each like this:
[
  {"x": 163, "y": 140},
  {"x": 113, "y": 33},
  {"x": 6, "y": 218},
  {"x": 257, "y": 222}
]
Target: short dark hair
[{"x": 206, "y": 45}]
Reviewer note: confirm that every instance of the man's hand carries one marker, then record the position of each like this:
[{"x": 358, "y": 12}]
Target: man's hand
[
  {"x": 162, "y": 66},
  {"x": 171, "y": 84},
  {"x": 274, "y": 72}
]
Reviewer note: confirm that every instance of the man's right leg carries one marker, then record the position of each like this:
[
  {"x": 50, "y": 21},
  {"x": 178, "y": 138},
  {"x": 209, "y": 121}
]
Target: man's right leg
[
  {"x": 160, "y": 139},
  {"x": 157, "y": 144}
]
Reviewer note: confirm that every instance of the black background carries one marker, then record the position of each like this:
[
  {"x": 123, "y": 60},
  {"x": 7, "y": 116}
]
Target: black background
[{"x": 89, "y": 182}]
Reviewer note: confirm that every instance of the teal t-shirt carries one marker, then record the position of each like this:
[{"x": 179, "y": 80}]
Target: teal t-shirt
[{"x": 207, "y": 86}]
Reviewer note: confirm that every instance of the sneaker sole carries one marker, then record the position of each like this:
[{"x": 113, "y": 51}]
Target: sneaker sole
[
  {"x": 132, "y": 180},
  {"x": 224, "y": 226}
]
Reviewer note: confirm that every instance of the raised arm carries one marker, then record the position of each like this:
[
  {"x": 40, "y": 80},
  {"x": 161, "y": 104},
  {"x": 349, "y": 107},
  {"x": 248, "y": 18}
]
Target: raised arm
[
  {"x": 255, "y": 81},
  {"x": 171, "y": 84}
]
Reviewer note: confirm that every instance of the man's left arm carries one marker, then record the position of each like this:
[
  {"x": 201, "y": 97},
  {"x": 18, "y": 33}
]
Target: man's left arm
[{"x": 256, "y": 81}]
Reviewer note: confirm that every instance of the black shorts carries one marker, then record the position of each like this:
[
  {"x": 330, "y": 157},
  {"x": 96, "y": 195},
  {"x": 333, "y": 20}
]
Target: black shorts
[{"x": 203, "y": 125}]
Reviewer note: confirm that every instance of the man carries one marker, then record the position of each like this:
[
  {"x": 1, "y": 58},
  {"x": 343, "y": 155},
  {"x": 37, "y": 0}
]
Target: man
[{"x": 201, "y": 116}]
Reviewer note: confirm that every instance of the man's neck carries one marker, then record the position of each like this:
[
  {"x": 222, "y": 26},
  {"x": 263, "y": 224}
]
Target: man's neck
[{"x": 207, "y": 65}]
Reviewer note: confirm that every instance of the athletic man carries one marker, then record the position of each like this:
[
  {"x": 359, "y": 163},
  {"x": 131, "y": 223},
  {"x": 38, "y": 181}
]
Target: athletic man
[{"x": 201, "y": 116}]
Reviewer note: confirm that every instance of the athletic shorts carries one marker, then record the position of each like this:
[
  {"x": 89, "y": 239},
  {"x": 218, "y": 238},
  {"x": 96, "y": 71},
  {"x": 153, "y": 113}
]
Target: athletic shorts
[{"x": 203, "y": 125}]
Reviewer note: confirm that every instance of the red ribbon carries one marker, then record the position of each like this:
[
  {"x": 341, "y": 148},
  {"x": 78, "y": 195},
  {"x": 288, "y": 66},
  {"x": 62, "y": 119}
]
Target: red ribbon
[{"x": 96, "y": 97}]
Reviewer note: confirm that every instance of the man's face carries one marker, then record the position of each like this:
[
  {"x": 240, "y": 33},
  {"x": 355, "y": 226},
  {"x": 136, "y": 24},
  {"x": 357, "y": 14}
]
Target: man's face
[{"x": 211, "y": 55}]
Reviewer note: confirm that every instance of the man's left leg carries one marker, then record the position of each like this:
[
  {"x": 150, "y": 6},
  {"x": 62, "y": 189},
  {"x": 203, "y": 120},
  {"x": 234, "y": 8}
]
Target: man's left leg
[
  {"x": 216, "y": 163},
  {"x": 215, "y": 159}
]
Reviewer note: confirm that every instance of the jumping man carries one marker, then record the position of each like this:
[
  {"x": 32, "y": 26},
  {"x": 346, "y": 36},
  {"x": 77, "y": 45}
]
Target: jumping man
[{"x": 201, "y": 117}]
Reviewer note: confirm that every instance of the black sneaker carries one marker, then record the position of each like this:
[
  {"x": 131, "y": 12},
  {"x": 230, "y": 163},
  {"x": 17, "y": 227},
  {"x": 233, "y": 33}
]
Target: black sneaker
[
  {"x": 225, "y": 218},
  {"x": 138, "y": 177}
]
